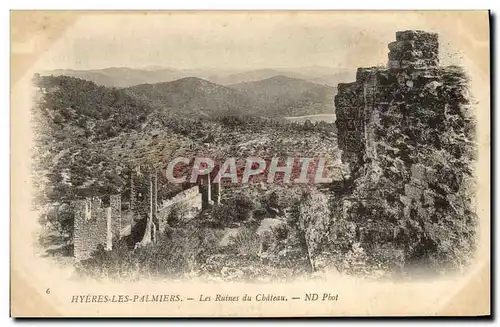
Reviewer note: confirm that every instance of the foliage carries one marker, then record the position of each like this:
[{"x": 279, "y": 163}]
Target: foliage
[
  {"x": 176, "y": 252},
  {"x": 236, "y": 209},
  {"x": 89, "y": 137},
  {"x": 280, "y": 232},
  {"x": 387, "y": 219},
  {"x": 247, "y": 242},
  {"x": 61, "y": 217},
  {"x": 176, "y": 214},
  {"x": 71, "y": 116}
]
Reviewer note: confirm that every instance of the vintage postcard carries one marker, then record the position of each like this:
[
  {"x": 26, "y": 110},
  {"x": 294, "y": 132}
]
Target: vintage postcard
[{"x": 250, "y": 163}]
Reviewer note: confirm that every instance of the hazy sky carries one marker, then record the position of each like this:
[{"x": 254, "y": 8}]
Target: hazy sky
[{"x": 239, "y": 40}]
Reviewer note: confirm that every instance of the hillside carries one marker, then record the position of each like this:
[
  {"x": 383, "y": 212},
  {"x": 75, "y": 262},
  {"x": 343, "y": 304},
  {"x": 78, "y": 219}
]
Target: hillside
[
  {"x": 276, "y": 97},
  {"x": 70, "y": 119},
  {"x": 78, "y": 108},
  {"x": 192, "y": 96},
  {"x": 296, "y": 97},
  {"x": 89, "y": 136}
]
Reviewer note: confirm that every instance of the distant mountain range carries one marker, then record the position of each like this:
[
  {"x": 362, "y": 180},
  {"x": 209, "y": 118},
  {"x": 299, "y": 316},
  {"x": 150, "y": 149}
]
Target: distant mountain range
[
  {"x": 214, "y": 93},
  {"x": 275, "y": 97},
  {"x": 126, "y": 77}
]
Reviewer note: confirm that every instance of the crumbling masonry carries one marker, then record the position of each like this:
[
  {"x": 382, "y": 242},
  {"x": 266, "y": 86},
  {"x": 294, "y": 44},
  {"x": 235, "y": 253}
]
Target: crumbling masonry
[
  {"x": 97, "y": 226},
  {"x": 412, "y": 71},
  {"x": 408, "y": 133}
]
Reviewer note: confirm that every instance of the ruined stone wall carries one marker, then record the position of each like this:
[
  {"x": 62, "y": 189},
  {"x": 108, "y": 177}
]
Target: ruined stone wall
[
  {"x": 353, "y": 103},
  {"x": 115, "y": 204},
  {"x": 189, "y": 200},
  {"x": 95, "y": 225},
  {"x": 408, "y": 134},
  {"x": 414, "y": 50}
]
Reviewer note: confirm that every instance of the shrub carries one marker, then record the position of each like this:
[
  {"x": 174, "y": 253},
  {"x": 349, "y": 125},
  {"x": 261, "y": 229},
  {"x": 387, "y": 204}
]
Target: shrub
[
  {"x": 176, "y": 252},
  {"x": 178, "y": 213},
  {"x": 114, "y": 264},
  {"x": 271, "y": 202},
  {"x": 247, "y": 242},
  {"x": 62, "y": 218},
  {"x": 237, "y": 209},
  {"x": 280, "y": 232}
]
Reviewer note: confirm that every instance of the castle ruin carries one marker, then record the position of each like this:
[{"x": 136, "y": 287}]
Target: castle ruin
[
  {"x": 96, "y": 225},
  {"x": 395, "y": 93},
  {"x": 407, "y": 132},
  {"x": 100, "y": 226}
]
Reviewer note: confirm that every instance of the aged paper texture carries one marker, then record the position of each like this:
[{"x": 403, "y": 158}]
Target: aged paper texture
[{"x": 250, "y": 163}]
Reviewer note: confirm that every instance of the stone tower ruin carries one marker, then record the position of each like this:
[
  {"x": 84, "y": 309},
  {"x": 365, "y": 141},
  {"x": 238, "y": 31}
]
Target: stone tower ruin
[
  {"x": 394, "y": 93},
  {"x": 95, "y": 225},
  {"x": 407, "y": 132}
]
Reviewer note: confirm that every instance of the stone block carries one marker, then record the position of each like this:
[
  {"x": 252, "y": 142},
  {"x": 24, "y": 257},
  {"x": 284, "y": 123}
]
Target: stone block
[
  {"x": 418, "y": 173},
  {"x": 362, "y": 74},
  {"x": 400, "y": 46},
  {"x": 345, "y": 87},
  {"x": 393, "y": 64},
  {"x": 413, "y": 191},
  {"x": 406, "y": 205},
  {"x": 416, "y": 35},
  {"x": 419, "y": 63},
  {"x": 414, "y": 50}
]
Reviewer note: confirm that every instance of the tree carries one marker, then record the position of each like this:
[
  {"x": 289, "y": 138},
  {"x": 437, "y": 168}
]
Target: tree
[{"x": 62, "y": 218}]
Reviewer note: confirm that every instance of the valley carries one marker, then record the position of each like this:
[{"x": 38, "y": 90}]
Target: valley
[{"x": 91, "y": 138}]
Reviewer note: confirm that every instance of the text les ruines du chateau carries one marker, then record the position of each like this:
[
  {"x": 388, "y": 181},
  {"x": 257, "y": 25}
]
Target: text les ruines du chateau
[{"x": 268, "y": 297}]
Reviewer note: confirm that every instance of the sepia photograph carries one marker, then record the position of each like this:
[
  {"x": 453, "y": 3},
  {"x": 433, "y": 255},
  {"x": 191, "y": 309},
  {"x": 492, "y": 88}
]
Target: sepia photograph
[{"x": 250, "y": 163}]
